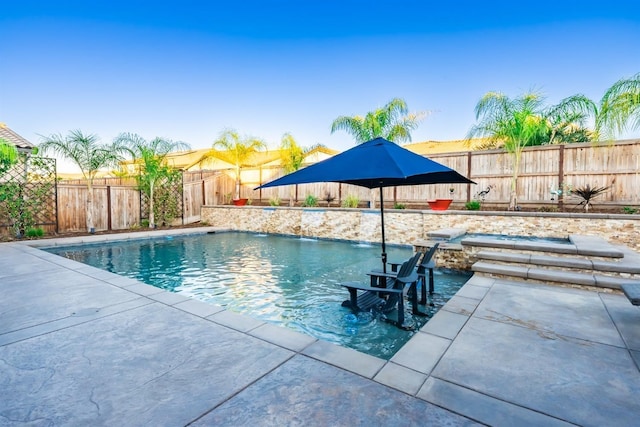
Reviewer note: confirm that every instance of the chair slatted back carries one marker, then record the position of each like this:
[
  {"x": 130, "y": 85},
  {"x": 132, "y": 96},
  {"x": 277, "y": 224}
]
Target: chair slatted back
[
  {"x": 407, "y": 267},
  {"x": 427, "y": 256}
]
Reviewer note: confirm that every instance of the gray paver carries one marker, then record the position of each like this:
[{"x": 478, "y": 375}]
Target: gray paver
[
  {"x": 626, "y": 317},
  {"x": 461, "y": 305},
  {"x": 56, "y": 294},
  {"x": 327, "y": 397},
  {"x": 445, "y": 324},
  {"x": 150, "y": 366},
  {"x": 239, "y": 322},
  {"x": 199, "y": 308},
  {"x": 472, "y": 291},
  {"x": 579, "y": 381},
  {"x": 401, "y": 378},
  {"x": 422, "y": 352},
  {"x": 345, "y": 358},
  {"x": 481, "y": 407},
  {"x": 169, "y": 298},
  {"x": 484, "y": 281},
  {"x": 558, "y": 312},
  {"x": 283, "y": 337}
]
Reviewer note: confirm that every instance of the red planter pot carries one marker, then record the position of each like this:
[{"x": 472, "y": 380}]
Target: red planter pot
[
  {"x": 240, "y": 202},
  {"x": 439, "y": 204}
]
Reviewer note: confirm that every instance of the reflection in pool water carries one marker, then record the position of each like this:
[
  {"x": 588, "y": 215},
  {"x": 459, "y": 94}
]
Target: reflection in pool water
[{"x": 287, "y": 281}]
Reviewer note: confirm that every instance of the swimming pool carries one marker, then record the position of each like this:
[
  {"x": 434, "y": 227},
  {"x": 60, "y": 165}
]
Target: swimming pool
[{"x": 290, "y": 281}]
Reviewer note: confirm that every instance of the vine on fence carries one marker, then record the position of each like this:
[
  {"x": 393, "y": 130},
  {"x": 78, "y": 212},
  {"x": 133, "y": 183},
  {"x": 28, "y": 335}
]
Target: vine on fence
[{"x": 28, "y": 194}]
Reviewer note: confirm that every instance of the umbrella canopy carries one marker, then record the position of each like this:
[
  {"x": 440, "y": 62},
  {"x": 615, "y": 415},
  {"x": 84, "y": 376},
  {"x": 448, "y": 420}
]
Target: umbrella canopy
[{"x": 374, "y": 164}]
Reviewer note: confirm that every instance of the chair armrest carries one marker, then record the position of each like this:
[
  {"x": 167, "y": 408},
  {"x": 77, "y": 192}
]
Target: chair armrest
[
  {"x": 382, "y": 274},
  {"x": 408, "y": 279},
  {"x": 361, "y": 287}
]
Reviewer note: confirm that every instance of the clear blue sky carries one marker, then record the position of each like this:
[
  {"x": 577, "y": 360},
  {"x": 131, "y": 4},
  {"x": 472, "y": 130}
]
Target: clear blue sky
[{"x": 187, "y": 70}]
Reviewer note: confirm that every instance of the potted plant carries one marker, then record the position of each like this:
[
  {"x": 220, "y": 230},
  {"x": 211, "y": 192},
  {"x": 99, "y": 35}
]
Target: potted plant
[{"x": 439, "y": 204}]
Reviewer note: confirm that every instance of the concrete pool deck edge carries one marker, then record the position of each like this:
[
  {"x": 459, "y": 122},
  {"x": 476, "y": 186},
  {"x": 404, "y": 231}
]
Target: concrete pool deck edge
[{"x": 416, "y": 370}]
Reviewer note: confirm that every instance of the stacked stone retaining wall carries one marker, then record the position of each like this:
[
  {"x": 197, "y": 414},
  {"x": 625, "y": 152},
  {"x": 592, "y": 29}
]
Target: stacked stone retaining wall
[{"x": 408, "y": 226}]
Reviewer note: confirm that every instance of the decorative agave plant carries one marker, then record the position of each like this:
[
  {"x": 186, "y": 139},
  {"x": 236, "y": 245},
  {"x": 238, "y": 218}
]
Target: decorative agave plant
[{"x": 587, "y": 194}]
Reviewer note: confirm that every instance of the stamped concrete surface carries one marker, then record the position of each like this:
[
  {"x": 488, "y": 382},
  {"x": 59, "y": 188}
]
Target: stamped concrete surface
[{"x": 80, "y": 346}]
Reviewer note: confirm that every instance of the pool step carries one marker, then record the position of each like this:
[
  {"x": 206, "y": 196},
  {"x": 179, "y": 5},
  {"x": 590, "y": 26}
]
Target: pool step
[
  {"x": 586, "y": 261},
  {"x": 545, "y": 275}
]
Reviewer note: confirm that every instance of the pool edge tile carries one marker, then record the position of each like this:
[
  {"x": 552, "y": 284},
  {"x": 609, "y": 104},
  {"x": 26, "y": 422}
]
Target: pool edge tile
[
  {"x": 345, "y": 358},
  {"x": 283, "y": 337}
]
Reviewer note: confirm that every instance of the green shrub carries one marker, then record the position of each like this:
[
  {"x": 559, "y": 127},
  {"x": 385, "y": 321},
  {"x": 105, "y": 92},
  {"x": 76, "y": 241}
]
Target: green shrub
[
  {"x": 310, "y": 201},
  {"x": 399, "y": 206},
  {"x": 144, "y": 223},
  {"x": 473, "y": 205},
  {"x": 34, "y": 232},
  {"x": 629, "y": 210},
  {"x": 350, "y": 202},
  {"x": 274, "y": 201}
]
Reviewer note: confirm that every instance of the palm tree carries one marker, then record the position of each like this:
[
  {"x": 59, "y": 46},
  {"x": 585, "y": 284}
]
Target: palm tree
[
  {"x": 620, "y": 107},
  {"x": 150, "y": 158},
  {"x": 292, "y": 157},
  {"x": 514, "y": 122},
  {"x": 526, "y": 121},
  {"x": 392, "y": 122},
  {"x": 237, "y": 150},
  {"x": 8, "y": 156},
  {"x": 568, "y": 120},
  {"x": 86, "y": 151}
]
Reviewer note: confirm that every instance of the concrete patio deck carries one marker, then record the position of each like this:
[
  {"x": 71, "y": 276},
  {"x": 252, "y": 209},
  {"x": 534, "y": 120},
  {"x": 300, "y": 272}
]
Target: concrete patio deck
[{"x": 81, "y": 346}]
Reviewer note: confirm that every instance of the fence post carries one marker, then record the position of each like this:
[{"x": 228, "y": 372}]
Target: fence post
[
  {"x": 561, "y": 177},
  {"x": 182, "y": 178},
  {"x": 469, "y": 157},
  {"x": 108, "y": 208},
  {"x": 55, "y": 192}
]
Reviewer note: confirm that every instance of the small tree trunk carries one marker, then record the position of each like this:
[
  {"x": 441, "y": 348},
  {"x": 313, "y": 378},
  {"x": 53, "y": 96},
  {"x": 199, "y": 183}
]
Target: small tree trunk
[
  {"x": 513, "y": 197},
  {"x": 237, "y": 183},
  {"x": 152, "y": 217},
  {"x": 90, "y": 227}
]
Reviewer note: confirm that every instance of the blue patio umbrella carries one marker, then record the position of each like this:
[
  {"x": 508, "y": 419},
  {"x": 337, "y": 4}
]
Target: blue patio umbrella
[{"x": 375, "y": 164}]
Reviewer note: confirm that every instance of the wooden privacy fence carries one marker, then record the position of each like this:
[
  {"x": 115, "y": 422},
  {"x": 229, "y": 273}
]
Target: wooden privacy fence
[
  {"x": 543, "y": 171},
  {"x": 117, "y": 202}
]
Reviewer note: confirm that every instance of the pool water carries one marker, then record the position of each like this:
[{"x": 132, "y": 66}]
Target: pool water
[{"x": 288, "y": 281}]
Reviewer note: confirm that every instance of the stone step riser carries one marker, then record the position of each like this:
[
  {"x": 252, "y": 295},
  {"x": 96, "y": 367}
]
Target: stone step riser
[
  {"x": 522, "y": 272},
  {"x": 567, "y": 267},
  {"x": 545, "y": 282}
]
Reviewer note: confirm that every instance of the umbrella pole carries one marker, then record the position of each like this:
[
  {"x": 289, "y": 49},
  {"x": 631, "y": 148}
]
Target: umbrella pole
[{"x": 384, "y": 247}]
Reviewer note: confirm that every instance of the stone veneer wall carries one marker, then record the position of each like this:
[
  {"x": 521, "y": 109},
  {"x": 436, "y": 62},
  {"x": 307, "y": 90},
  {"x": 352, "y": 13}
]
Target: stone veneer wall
[{"x": 409, "y": 226}]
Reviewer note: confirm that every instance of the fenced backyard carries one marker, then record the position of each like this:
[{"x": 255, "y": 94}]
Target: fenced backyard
[
  {"x": 544, "y": 170},
  {"x": 117, "y": 204}
]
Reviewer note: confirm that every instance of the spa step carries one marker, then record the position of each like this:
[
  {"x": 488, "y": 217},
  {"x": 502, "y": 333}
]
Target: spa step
[
  {"x": 446, "y": 233},
  {"x": 627, "y": 265},
  {"x": 542, "y": 275},
  {"x": 579, "y": 245}
]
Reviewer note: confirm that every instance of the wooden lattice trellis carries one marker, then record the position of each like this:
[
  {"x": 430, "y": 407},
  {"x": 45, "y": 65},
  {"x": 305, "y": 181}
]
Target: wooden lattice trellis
[{"x": 28, "y": 195}]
